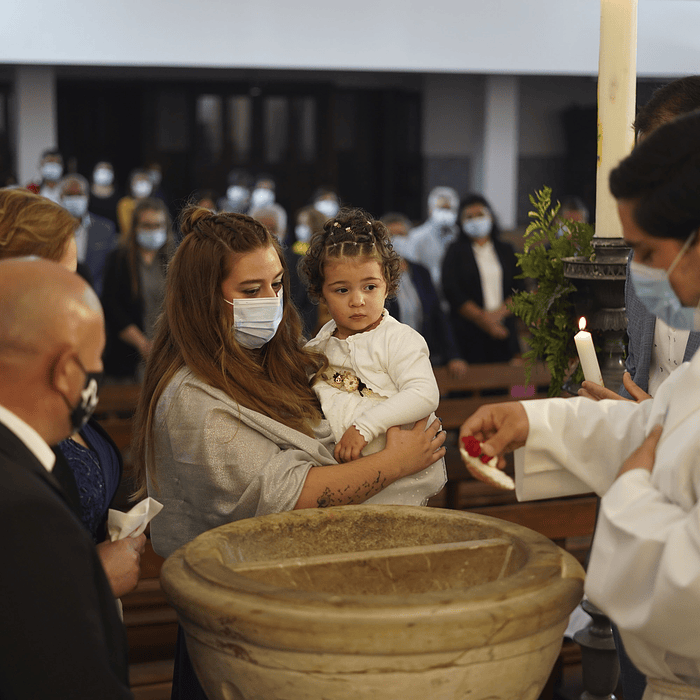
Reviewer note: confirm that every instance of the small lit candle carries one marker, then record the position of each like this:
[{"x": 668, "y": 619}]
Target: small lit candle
[{"x": 586, "y": 353}]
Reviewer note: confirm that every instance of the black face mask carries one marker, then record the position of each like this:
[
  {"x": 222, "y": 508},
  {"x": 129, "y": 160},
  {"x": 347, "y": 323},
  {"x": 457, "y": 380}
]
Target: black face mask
[{"x": 80, "y": 414}]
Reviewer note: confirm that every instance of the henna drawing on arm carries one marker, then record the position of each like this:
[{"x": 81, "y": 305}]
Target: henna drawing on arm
[{"x": 362, "y": 493}]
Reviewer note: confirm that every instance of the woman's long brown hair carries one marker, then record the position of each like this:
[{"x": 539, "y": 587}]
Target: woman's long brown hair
[{"x": 196, "y": 330}]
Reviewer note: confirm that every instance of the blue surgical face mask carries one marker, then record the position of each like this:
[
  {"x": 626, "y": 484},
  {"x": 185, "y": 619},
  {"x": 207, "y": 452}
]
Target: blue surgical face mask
[
  {"x": 152, "y": 239},
  {"x": 141, "y": 188},
  {"x": 262, "y": 197},
  {"x": 327, "y": 207},
  {"x": 303, "y": 232},
  {"x": 444, "y": 217},
  {"x": 76, "y": 204},
  {"x": 51, "y": 171},
  {"x": 478, "y": 227},
  {"x": 653, "y": 287},
  {"x": 103, "y": 176},
  {"x": 255, "y": 321}
]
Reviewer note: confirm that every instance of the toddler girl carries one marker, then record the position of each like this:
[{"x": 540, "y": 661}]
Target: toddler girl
[{"x": 380, "y": 373}]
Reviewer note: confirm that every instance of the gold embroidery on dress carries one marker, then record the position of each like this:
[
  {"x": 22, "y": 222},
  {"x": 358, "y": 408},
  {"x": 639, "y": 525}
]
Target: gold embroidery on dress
[{"x": 347, "y": 381}]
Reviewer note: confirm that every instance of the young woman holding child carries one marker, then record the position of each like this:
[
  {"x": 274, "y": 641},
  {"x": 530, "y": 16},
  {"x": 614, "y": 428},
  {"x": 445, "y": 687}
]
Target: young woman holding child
[{"x": 228, "y": 426}]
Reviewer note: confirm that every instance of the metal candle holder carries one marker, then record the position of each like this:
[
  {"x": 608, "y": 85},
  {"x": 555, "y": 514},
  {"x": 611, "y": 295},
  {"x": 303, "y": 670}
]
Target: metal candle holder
[{"x": 600, "y": 297}]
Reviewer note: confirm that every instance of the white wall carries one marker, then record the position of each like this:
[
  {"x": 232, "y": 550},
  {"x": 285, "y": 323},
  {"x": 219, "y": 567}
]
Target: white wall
[{"x": 496, "y": 36}]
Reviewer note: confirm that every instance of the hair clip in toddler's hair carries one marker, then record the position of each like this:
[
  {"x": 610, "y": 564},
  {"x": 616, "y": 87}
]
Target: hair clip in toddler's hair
[
  {"x": 348, "y": 229},
  {"x": 336, "y": 224}
]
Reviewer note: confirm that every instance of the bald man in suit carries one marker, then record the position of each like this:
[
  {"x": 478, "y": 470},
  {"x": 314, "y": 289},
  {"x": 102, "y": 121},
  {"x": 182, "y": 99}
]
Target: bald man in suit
[{"x": 60, "y": 633}]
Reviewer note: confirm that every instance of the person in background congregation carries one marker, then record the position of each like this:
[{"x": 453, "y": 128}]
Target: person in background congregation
[
  {"x": 478, "y": 277},
  {"x": 104, "y": 194},
  {"x": 140, "y": 187},
  {"x": 95, "y": 236},
  {"x": 417, "y": 303},
  {"x": 428, "y": 242},
  {"x": 134, "y": 285},
  {"x": 237, "y": 197},
  {"x": 51, "y": 171}
]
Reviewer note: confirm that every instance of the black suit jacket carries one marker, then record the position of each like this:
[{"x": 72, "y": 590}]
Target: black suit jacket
[
  {"x": 60, "y": 633},
  {"x": 461, "y": 282}
]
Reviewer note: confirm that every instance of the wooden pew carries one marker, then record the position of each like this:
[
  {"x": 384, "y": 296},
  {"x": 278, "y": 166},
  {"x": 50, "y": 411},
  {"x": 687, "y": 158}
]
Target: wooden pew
[
  {"x": 487, "y": 383},
  {"x": 568, "y": 521}
]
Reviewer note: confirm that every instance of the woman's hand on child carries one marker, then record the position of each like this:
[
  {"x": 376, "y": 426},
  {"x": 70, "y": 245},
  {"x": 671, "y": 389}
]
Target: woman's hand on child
[
  {"x": 350, "y": 446},
  {"x": 416, "y": 449}
]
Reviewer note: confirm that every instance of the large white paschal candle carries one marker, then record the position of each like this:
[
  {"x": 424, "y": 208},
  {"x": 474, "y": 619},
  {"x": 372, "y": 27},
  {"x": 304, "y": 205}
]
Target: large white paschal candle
[
  {"x": 586, "y": 354},
  {"x": 617, "y": 87}
]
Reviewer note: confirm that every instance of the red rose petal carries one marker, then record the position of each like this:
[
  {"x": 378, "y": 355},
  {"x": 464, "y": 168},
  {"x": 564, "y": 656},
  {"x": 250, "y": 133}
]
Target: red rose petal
[
  {"x": 471, "y": 445},
  {"x": 485, "y": 459}
]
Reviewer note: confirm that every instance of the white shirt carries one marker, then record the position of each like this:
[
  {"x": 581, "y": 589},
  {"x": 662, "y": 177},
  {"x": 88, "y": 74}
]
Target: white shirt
[
  {"x": 427, "y": 246},
  {"x": 644, "y": 570},
  {"x": 491, "y": 274},
  {"x": 81, "y": 238},
  {"x": 409, "y": 302},
  {"x": 666, "y": 353},
  {"x": 34, "y": 442}
]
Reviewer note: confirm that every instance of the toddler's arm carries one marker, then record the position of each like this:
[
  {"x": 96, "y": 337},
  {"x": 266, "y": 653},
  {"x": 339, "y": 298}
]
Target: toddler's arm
[{"x": 406, "y": 359}]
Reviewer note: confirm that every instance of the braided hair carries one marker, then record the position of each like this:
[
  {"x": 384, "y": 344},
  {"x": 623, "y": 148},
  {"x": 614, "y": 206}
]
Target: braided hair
[
  {"x": 352, "y": 233},
  {"x": 196, "y": 330}
]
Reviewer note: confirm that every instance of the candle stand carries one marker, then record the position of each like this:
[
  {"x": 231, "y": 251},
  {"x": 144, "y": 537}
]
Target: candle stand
[{"x": 600, "y": 297}]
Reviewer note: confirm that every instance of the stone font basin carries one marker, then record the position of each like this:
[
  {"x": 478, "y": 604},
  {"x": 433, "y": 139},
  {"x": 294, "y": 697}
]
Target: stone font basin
[{"x": 393, "y": 602}]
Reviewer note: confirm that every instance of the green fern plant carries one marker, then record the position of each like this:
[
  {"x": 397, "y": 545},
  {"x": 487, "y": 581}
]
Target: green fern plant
[{"x": 548, "y": 310}]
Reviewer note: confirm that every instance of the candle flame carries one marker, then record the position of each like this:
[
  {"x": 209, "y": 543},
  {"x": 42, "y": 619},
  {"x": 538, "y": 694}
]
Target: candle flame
[{"x": 582, "y": 323}]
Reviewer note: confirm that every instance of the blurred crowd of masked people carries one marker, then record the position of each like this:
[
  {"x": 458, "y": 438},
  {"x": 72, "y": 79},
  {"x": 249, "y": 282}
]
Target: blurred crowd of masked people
[{"x": 458, "y": 274}]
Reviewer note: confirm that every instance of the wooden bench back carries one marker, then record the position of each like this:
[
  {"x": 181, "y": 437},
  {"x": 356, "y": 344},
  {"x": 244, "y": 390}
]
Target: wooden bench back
[{"x": 486, "y": 383}]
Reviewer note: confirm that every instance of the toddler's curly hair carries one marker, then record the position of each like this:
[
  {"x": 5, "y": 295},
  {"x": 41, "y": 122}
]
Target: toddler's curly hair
[{"x": 352, "y": 233}]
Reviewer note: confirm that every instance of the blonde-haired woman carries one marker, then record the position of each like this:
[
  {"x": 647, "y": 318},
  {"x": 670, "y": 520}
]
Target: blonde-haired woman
[{"x": 34, "y": 225}]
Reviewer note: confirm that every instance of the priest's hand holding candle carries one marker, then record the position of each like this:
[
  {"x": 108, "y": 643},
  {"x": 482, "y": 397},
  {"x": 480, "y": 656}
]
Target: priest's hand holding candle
[{"x": 586, "y": 354}]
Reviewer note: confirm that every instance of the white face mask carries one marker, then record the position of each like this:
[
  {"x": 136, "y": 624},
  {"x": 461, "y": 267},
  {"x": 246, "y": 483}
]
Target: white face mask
[
  {"x": 653, "y": 287},
  {"x": 141, "y": 188},
  {"x": 327, "y": 207},
  {"x": 255, "y": 321},
  {"x": 444, "y": 217},
  {"x": 262, "y": 197},
  {"x": 302, "y": 233},
  {"x": 479, "y": 227},
  {"x": 76, "y": 204},
  {"x": 103, "y": 176},
  {"x": 51, "y": 171},
  {"x": 236, "y": 194},
  {"x": 152, "y": 239}
]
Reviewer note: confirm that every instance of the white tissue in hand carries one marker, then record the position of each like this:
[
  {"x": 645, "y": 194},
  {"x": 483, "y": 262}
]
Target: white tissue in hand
[{"x": 133, "y": 523}]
